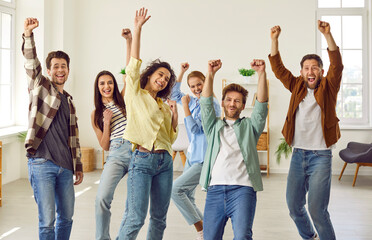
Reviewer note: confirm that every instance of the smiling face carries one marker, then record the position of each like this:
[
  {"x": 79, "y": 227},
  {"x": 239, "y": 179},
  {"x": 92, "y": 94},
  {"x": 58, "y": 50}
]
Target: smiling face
[
  {"x": 58, "y": 71},
  {"x": 106, "y": 88},
  {"x": 158, "y": 80},
  {"x": 196, "y": 86},
  {"x": 311, "y": 73},
  {"x": 233, "y": 105}
]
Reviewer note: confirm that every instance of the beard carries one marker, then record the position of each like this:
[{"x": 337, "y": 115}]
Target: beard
[
  {"x": 314, "y": 84},
  {"x": 232, "y": 114},
  {"x": 59, "y": 82}
]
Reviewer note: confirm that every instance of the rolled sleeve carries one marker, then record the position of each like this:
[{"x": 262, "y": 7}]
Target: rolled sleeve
[
  {"x": 132, "y": 79},
  {"x": 208, "y": 114},
  {"x": 259, "y": 115}
]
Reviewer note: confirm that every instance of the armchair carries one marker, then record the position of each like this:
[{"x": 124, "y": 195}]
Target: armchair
[{"x": 359, "y": 153}]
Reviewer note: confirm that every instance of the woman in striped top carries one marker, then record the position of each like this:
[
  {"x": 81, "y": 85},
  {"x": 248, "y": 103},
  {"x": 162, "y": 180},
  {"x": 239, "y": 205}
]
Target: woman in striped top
[{"x": 109, "y": 122}]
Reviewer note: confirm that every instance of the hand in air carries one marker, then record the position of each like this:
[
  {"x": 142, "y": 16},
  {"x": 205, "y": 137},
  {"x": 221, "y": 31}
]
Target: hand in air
[
  {"x": 185, "y": 100},
  {"x": 184, "y": 67},
  {"x": 141, "y": 17},
  {"x": 258, "y": 65},
  {"x": 126, "y": 33},
  {"x": 214, "y": 66},
  {"x": 275, "y": 32},
  {"x": 324, "y": 27}
]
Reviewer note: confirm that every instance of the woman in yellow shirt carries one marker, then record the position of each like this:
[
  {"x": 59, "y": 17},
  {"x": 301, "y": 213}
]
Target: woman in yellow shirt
[{"x": 151, "y": 128}]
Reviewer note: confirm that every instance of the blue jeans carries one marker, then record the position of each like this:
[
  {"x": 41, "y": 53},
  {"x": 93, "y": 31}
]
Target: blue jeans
[
  {"x": 310, "y": 172},
  {"x": 183, "y": 192},
  {"x": 53, "y": 188},
  {"x": 150, "y": 177},
  {"x": 229, "y": 201},
  {"x": 116, "y": 166}
]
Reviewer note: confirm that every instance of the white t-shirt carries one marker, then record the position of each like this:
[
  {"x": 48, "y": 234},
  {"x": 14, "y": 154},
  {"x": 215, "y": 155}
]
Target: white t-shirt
[
  {"x": 229, "y": 167},
  {"x": 308, "y": 125}
]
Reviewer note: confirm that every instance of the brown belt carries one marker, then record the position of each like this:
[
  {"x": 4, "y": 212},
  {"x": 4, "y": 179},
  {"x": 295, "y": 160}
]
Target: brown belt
[{"x": 142, "y": 149}]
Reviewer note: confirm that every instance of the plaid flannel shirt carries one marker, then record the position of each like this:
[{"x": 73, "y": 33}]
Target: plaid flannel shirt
[{"x": 44, "y": 104}]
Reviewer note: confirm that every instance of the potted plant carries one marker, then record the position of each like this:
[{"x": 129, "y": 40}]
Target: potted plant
[
  {"x": 247, "y": 75},
  {"x": 283, "y": 148},
  {"x": 122, "y": 71}
]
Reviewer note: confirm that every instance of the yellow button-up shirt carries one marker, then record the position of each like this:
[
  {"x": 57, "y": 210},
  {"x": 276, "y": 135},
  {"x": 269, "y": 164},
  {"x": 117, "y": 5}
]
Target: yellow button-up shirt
[{"x": 149, "y": 121}]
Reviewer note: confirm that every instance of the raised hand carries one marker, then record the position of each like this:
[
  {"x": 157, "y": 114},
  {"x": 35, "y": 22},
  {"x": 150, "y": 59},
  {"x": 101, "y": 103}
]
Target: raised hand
[
  {"x": 184, "y": 67},
  {"x": 324, "y": 27},
  {"x": 29, "y": 25},
  {"x": 126, "y": 33},
  {"x": 173, "y": 106},
  {"x": 107, "y": 115},
  {"x": 185, "y": 100},
  {"x": 141, "y": 17},
  {"x": 275, "y": 32},
  {"x": 258, "y": 65},
  {"x": 214, "y": 66}
]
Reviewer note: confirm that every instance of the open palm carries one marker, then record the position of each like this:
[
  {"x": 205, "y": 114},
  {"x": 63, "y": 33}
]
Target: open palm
[{"x": 141, "y": 17}]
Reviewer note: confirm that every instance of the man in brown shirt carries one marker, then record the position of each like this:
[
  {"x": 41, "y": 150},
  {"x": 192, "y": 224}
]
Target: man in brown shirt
[{"x": 311, "y": 127}]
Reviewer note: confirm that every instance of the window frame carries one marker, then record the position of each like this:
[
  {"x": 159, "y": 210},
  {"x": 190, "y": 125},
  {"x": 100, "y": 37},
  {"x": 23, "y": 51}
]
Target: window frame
[
  {"x": 10, "y": 4},
  {"x": 365, "y": 121},
  {"x": 8, "y": 8}
]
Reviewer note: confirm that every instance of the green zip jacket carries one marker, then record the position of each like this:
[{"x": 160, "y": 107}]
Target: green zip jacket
[{"x": 247, "y": 130}]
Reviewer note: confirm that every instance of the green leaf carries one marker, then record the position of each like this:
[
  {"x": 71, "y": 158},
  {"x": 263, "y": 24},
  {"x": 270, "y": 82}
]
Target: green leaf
[
  {"x": 283, "y": 148},
  {"x": 22, "y": 136},
  {"x": 123, "y": 71},
  {"x": 246, "y": 72}
]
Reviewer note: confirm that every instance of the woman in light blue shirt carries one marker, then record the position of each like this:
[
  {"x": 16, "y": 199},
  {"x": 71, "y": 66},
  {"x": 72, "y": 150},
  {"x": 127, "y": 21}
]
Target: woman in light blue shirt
[{"x": 183, "y": 190}]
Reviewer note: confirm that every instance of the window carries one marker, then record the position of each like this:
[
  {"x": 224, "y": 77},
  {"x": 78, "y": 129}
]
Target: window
[
  {"x": 6, "y": 63},
  {"x": 349, "y": 21}
]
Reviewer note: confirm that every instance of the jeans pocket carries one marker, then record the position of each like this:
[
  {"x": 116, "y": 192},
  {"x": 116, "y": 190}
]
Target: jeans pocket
[
  {"x": 210, "y": 188},
  {"x": 35, "y": 161},
  {"x": 114, "y": 145}
]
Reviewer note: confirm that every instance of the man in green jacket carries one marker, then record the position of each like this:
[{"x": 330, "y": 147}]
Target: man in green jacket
[
  {"x": 231, "y": 171},
  {"x": 311, "y": 127}
]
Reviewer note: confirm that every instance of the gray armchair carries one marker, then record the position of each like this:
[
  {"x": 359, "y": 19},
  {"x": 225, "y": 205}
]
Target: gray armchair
[{"x": 359, "y": 153}]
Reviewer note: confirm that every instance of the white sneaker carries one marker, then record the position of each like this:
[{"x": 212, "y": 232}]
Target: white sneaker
[
  {"x": 316, "y": 237},
  {"x": 199, "y": 235}
]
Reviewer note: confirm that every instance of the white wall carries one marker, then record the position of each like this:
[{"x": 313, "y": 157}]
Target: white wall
[{"x": 185, "y": 30}]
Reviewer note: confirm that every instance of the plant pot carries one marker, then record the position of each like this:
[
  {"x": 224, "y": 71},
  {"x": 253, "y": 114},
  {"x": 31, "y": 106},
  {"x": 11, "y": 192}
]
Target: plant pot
[{"x": 249, "y": 80}]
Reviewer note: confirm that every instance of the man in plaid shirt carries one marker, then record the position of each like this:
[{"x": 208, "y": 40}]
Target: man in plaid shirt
[{"x": 52, "y": 141}]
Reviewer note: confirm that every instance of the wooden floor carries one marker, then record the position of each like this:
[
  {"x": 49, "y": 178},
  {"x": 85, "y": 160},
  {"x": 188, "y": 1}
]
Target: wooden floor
[{"x": 350, "y": 209}]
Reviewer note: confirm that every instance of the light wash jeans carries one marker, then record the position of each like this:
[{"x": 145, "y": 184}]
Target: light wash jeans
[
  {"x": 183, "y": 192},
  {"x": 229, "y": 201},
  {"x": 150, "y": 178},
  {"x": 53, "y": 188},
  {"x": 310, "y": 172},
  {"x": 115, "y": 168}
]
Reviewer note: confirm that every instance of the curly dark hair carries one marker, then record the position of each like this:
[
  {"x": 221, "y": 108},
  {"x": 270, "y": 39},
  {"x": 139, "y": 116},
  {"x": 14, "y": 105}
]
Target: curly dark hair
[{"x": 150, "y": 69}]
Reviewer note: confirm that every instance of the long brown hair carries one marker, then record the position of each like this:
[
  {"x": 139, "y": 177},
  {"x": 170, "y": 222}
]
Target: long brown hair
[
  {"x": 100, "y": 107},
  {"x": 154, "y": 65}
]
